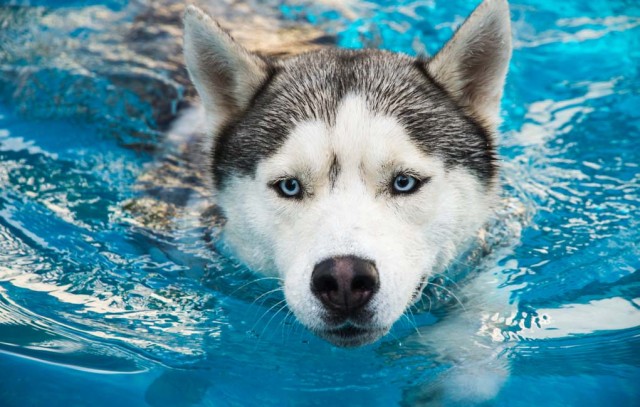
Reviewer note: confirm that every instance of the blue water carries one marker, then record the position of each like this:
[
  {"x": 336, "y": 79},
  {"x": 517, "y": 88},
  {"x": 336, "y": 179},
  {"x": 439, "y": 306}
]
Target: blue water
[{"x": 99, "y": 309}]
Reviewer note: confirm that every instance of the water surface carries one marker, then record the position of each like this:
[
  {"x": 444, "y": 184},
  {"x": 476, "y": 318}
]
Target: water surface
[{"x": 99, "y": 309}]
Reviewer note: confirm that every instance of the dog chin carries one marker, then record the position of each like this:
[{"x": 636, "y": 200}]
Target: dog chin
[{"x": 351, "y": 336}]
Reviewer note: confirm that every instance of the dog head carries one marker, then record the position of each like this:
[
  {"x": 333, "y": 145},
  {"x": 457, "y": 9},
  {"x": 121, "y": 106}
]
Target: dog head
[{"x": 352, "y": 175}]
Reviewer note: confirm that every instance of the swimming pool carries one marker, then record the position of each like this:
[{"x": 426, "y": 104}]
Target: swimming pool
[{"x": 98, "y": 308}]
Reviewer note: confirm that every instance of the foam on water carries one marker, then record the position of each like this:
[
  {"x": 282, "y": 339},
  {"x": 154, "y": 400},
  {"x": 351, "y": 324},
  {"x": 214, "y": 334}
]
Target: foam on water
[{"x": 98, "y": 308}]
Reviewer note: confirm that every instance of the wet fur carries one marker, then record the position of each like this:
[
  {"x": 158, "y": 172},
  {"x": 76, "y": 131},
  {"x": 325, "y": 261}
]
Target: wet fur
[{"x": 344, "y": 122}]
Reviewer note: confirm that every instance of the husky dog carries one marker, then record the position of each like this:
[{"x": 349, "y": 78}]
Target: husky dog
[{"x": 352, "y": 175}]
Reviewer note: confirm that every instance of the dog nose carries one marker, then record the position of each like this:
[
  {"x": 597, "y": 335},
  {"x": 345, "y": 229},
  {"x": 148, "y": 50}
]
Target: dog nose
[{"x": 344, "y": 284}]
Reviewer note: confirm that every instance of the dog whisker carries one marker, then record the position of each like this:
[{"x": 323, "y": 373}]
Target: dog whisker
[
  {"x": 444, "y": 276},
  {"x": 287, "y": 326},
  {"x": 275, "y": 290},
  {"x": 449, "y": 292},
  {"x": 269, "y": 322},
  {"x": 253, "y": 282},
  {"x": 412, "y": 320},
  {"x": 266, "y": 312}
]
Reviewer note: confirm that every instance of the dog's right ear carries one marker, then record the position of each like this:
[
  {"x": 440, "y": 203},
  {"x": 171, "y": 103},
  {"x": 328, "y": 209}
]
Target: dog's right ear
[{"x": 225, "y": 74}]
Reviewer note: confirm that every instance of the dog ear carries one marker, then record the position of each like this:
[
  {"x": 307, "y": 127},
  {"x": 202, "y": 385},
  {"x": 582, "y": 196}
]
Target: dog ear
[
  {"x": 225, "y": 74},
  {"x": 472, "y": 66}
]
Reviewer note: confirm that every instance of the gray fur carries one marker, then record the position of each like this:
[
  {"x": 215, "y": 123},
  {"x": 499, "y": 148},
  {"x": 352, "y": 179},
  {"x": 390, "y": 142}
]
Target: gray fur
[
  {"x": 334, "y": 171},
  {"x": 311, "y": 85},
  {"x": 346, "y": 111},
  {"x": 449, "y": 105}
]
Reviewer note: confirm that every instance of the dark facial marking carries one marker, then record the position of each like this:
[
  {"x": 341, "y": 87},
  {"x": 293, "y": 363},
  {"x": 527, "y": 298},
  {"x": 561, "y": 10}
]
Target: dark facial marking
[
  {"x": 488, "y": 170},
  {"x": 311, "y": 87},
  {"x": 334, "y": 171},
  {"x": 272, "y": 71}
]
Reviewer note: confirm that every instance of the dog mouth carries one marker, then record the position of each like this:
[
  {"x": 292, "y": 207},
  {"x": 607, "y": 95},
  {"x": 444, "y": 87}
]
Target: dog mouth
[{"x": 349, "y": 335}]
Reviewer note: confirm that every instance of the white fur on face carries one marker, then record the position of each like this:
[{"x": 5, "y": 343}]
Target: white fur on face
[{"x": 409, "y": 237}]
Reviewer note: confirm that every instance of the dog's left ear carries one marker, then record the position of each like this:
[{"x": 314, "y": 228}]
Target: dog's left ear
[
  {"x": 472, "y": 66},
  {"x": 225, "y": 74}
]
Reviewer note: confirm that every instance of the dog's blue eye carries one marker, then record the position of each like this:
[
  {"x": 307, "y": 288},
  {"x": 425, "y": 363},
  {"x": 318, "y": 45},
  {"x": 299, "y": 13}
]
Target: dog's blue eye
[
  {"x": 290, "y": 188},
  {"x": 405, "y": 184}
]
